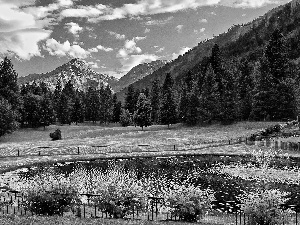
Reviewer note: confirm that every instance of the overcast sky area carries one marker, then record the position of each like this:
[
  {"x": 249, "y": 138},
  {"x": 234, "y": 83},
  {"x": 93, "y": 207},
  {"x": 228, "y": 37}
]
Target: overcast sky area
[{"x": 113, "y": 35}]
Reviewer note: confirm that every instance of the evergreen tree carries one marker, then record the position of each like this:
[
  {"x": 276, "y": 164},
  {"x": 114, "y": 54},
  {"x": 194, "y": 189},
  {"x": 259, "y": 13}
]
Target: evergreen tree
[
  {"x": 9, "y": 89},
  {"x": 244, "y": 87},
  {"x": 125, "y": 118},
  {"x": 56, "y": 95},
  {"x": 92, "y": 104},
  {"x": 168, "y": 108},
  {"x": 32, "y": 110},
  {"x": 46, "y": 111},
  {"x": 155, "y": 101},
  {"x": 64, "y": 113},
  {"x": 142, "y": 115},
  {"x": 129, "y": 99},
  {"x": 117, "y": 107},
  {"x": 210, "y": 104},
  {"x": 7, "y": 118},
  {"x": 78, "y": 110},
  {"x": 107, "y": 104}
]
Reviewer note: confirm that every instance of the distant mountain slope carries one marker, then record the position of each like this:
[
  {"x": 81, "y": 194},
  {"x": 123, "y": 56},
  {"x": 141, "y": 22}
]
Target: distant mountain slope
[
  {"x": 76, "y": 70},
  {"x": 246, "y": 40},
  {"x": 137, "y": 73}
]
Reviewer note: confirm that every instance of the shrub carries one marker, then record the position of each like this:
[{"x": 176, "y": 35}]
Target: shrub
[
  {"x": 49, "y": 194},
  {"x": 189, "y": 203},
  {"x": 120, "y": 192},
  {"x": 125, "y": 118},
  {"x": 264, "y": 207},
  {"x": 56, "y": 135}
]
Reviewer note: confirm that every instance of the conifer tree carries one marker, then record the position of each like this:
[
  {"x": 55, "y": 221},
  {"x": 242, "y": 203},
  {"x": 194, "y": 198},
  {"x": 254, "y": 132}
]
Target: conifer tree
[
  {"x": 92, "y": 104},
  {"x": 107, "y": 104},
  {"x": 142, "y": 115},
  {"x": 168, "y": 108},
  {"x": 117, "y": 107},
  {"x": 78, "y": 110},
  {"x": 46, "y": 111},
  {"x": 9, "y": 89},
  {"x": 155, "y": 101},
  {"x": 64, "y": 113},
  {"x": 210, "y": 104},
  {"x": 129, "y": 99},
  {"x": 7, "y": 117},
  {"x": 125, "y": 118}
]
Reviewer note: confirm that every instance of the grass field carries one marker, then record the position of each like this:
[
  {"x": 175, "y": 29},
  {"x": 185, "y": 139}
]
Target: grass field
[{"x": 118, "y": 141}]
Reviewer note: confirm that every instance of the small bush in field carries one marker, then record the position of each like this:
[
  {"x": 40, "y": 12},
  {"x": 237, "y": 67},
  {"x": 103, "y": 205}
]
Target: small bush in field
[
  {"x": 56, "y": 135},
  {"x": 264, "y": 207},
  {"x": 189, "y": 203},
  {"x": 125, "y": 118},
  {"x": 49, "y": 194}
]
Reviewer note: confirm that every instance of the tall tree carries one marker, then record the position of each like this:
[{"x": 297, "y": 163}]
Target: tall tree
[
  {"x": 78, "y": 110},
  {"x": 155, "y": 101},
  {"x": 46, "y": 111},
  {"x": 64, "y": 109},
  {"x": 9, "y": 89},
  {"x": 117, "y": 107},
  {"x": 142, "y": 115},
  {"x": 7, "y": 118},
  {"x": 129, "y": 99},
  {"x": 168, "y": 114},
  {"x": 92, "y": 104}
]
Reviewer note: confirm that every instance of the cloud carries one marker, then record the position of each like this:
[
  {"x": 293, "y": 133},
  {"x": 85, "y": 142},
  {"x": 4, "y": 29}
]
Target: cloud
[
  {"x": 84, "y": 11},
  {"x": 94, "y": 65},
  {"x": 100, "y": 47},
  {"x": 159, "y": 22},
  {"x": 93, "y": 50},
  {"x": 65, "y": 49},
  {"x": 160, "y": 49},
  {"x": 179, "y": 28},
  {"x": 133, "y": 60},
  {"x": 147, "y": 30},
  {"x": 181, "y": 52},
  {"x": 20, "y": 33},
  {"x": 116, "y": 35},
  {"x": 203, "y": 21},
  {"x": 199, "y": 31},
  {"x": 129, "y": 48},
  {"x": 74, "y": 28}
]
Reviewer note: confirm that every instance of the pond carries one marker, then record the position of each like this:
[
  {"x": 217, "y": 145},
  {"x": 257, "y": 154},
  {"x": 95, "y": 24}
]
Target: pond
[{"x": 227, "y": 176}]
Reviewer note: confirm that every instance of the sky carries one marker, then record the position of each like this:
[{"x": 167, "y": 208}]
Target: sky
[{"x": 113, "y": 36}]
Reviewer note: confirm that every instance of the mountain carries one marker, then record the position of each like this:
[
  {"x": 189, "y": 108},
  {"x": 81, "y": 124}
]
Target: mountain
[
  {"x": 137, "y": 73},
  {"x": 240, "y": 41},
  {"x": 76, "y": 70}
]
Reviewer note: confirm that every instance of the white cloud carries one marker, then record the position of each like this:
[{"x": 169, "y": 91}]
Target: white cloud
[
  {"x": 84, "y": 11},
  {"x": 179, "y": 28},
  {"x": 159, "y": 22},
  {"x": 203, "y": 21},
  {"x": 116, "y": 35},
  {"x": 133, "y": 60},
  {"x": 147, "y": 30},
  {"x": 199, "y": 31},
  {"x": 181, "y": 52},
  {"x": 139, "y": 38},
  {"x": 20, "y": 33},
  {"x": 93, "y": 50},
  {"x": 160, "y": 49},
  {"x": 94, "y": 65},
  {"x": 129, "y": 48},
  {"x": 74, "y": 28},
  {"x": 100, "y": 47},
  {"x": 65, "y": 49}
]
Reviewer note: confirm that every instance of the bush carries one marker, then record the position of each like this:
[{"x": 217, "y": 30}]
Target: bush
[
  {"x": 189, "y": 203},
  {"x": 56, "y": 135},
  {"x": 125, "y": 118},
  {"x": 49, "y": 194},
  {"x": 264, "y": 207}
]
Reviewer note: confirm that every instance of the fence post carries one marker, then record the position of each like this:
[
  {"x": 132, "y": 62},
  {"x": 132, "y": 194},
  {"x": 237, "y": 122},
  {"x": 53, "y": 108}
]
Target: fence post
[
  {"x": 78, "y": 150},
  {"x": 174, "y": 147},
  {"x": 18, "y": 152},
  {"x": 39, "y": 153}
]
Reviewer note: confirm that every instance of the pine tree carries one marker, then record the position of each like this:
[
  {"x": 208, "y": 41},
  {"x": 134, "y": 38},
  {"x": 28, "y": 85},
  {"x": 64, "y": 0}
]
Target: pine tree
[
  {"x": 168, "y": 108},
  {"x": 56, "y": 96},
  {"x": 107, "y": 104},
  {"x": 9, "y": 89},
  {"x": 32, "y": 110},
  {"x": 155, "y": 101},
  {"x": 125, "y": 118},
  {"x": 46, "y": 111},
  {"x": 142, "y": 115},
  {"x": 92, "y": 104},
  {"x": 210, "y": 104},
  {"x": 7, "y": 118},
  {"x": 117, "y": 107},
  {"x": 129, "y": 99},
  {"x": 78, "y": 110},
  {"x": 64, "y": 113}
]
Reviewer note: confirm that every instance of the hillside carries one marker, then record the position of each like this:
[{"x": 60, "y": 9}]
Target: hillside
[
  {"x": 137, "y": 73},
  {"x": 76, "y": 70},
  {"x": 247, "y": 40}
]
